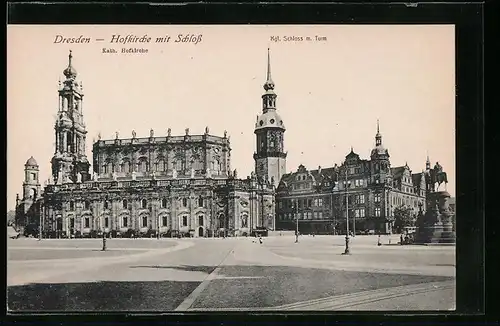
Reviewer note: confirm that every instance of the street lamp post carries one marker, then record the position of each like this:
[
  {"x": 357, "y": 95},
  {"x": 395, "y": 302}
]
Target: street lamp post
[
  {"x": 354, "y": 225},
  {"x": 158, "y": 226},
  {"x": 296, "y": 209},
  {"x": 333, "y": 213},
  {"x": 346, "y": 184},
  {"x": 42, "y": 211}
]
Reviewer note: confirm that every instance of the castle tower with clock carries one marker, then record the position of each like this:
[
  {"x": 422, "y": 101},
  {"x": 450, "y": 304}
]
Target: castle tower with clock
[{"x": 270, "y": 158}]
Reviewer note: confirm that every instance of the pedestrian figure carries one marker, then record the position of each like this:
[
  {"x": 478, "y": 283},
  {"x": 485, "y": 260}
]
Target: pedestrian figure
[
  {"x": 401, "y": 239},
  {"x": 260, "y": 240},
  {"x": 379, "y": 243},
  {"x": 104, "y": 242}
]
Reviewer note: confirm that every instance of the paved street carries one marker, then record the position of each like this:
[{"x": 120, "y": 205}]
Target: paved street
[{"x": 229, "y": 274}]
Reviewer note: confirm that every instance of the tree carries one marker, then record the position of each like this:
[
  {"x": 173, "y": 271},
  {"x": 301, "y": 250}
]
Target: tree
[
  {"x": 11, "y": 217},
  {"x": 403, "y": 216}
]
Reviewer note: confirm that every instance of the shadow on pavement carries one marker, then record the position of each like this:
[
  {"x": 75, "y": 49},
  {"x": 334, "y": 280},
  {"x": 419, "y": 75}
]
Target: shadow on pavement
[
  {"x": 99, "y": 296},
  {"x": 240, "y": 287},
  {"x": 187, "y": 268}
]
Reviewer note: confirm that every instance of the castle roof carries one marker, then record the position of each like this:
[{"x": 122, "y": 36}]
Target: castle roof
[{"x": 397, "y": 172}]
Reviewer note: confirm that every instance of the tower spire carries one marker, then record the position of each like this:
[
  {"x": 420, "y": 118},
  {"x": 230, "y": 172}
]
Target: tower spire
[
  {"x": 428, "y": 162},
  {"x": 269, "y": 79},
  {"x": 378, "y": 136},
  {"x": 269, "y": 85}
]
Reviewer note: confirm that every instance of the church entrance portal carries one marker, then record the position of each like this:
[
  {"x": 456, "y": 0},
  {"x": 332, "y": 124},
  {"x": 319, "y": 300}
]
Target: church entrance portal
[{"x": 200, "y": 231}]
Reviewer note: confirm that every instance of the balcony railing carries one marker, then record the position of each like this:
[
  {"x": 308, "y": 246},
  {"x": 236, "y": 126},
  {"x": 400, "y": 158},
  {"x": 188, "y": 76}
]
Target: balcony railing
[{"x": 164, "y": 139}]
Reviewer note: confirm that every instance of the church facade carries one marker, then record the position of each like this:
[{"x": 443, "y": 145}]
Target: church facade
[{"x": 171, "y": 184}]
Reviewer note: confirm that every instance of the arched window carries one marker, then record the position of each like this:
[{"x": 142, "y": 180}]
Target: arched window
[
  {"x": 105, "y": 168},
  {"x": 124, "y": 204},
  {"x": 143, "y": 165},
  {"x": 125, "y": 221},
  {"x": 164, "y": 203},
  {"x": 86, "y": 205},
  {"x": 221, "y": 221},
  {"x": 106, "y": 204},
  {"x": 126, "y": 166},
  {"x": 71, "y": 205},
  {"x": 200, "y": 201},
  {"x": 144, "y": 203},
  {"x": 160, "y": 165},
  {"x": 200, "y": 220},
  {"x": 184, "y": 202},
  {"x": 144, "y": 221},
  {"x": 179, "y": 164}
]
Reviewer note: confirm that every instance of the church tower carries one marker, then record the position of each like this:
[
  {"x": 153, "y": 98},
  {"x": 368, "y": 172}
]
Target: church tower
[
  {"x": 381, "y": 166},
  {"x": 31, "y": 184},
  {"x": 69, "y": 158},
  {"x": 270, "y": 158}
]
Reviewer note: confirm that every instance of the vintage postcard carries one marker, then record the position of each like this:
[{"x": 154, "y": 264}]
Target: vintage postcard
[{"x": 173, "y": 168}]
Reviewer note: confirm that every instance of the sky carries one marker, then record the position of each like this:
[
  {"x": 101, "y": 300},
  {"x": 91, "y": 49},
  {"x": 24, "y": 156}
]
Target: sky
[{"x": 330, "y": 92}]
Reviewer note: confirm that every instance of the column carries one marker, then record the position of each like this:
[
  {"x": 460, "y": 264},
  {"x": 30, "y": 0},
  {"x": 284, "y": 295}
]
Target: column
[
  {"x": 65, "y": 141},
  {"x": 133, "y": 214},
  {"x": 154, "y": 214},
  {"x": 174, "y": 223},
  {"x": 57, "y": 142}
]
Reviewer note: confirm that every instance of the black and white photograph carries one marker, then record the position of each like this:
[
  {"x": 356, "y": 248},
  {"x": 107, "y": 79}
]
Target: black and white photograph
[{"x": 201, "y": 168}]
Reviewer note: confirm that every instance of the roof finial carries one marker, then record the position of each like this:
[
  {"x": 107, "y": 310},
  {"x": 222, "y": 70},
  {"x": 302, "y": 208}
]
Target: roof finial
[
  {"x": 378, "y": 127},
  {"x": 70, "y": 56}
]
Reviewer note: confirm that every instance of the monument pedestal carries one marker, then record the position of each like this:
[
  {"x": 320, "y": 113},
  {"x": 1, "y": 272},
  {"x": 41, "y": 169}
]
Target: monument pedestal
[{"x": 435, "y": 226}]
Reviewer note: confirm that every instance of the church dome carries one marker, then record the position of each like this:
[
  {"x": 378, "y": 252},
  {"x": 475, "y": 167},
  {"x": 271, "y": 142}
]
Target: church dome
[
  {"x": 269, "y": 119},
  {"x": 70, "y": 72},
  {"x": 379, "y": 150},
  {"x": 31, "y": 162}
]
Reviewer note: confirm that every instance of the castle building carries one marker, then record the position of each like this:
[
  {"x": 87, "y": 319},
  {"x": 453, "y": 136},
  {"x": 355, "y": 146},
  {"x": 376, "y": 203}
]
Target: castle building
[
  {"x": 317, "y": 198},
  {"x": 168, "y": 184}
]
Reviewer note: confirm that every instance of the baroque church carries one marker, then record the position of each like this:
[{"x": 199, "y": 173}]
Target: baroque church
[
  {"x": 183, "y": 185},
  {"x": 173, "y": 185}
]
